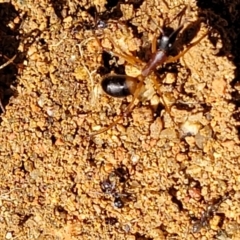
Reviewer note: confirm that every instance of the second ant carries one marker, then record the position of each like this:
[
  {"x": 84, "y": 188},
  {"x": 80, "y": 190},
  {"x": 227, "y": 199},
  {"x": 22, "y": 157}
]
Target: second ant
[
  {"x": 119, "y": 86},
  {"x": 110, "y": 185}
]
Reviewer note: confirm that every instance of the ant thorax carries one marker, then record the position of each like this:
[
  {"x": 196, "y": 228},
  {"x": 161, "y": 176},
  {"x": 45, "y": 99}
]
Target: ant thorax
[{"x": 164, "y": 43}]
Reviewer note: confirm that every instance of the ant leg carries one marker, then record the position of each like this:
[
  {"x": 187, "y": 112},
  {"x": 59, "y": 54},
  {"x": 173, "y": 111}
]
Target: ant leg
[
  {"x": 106, "y": 128},
  {"x": 175, "y": 58},
  {"x": 154, "y": 44},
  {"x": 180, "y": 15},
  {"x": 8, "y": 62},
  {"x": 1, "y": 106},
  {"x": 166, "y": 4},
  {"x": 128, "y": 58},
  {"x": 180, "y": 24},
  {"x": 166, "y": 106}
]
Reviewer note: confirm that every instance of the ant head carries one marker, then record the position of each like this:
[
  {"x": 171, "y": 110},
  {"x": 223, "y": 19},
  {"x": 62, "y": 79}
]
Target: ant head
[
  {"x": 118, "y": 202},
  {"x": 107, "y": 186},
  {"x": 164, "y": 43}
]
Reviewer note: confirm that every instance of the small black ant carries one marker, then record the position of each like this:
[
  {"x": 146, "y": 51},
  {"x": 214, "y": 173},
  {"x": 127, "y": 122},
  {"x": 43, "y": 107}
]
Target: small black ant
[
  {"x": 120, "y": 86},
  {"x": 122, "y": 173},
  {"x": 111, "y": 220},
  {"x": 208, "y": 214},
  {"x": 109, "y": 185}
]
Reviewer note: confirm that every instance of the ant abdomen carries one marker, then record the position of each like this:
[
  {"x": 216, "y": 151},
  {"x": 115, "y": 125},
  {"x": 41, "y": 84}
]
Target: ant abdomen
[{"x": 119, "y": 85}]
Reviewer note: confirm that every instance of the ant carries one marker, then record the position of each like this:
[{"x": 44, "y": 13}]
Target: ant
[
  {"x": 208, "y": 214},
  {"x": 108, "y": 185},
  {"x": 120, "y": 86},
  {"x": 111, "y": 220}
]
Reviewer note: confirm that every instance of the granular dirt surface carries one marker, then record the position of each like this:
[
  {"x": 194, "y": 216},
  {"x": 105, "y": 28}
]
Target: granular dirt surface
[{"x": 167, "y": 170}]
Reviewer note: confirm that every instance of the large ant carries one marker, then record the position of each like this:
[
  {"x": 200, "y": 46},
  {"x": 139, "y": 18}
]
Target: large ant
[{"x": 120, "y": 86}]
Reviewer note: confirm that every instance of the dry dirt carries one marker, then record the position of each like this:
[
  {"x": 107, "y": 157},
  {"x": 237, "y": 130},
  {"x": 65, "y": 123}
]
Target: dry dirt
[{"x": 168, "y": 170}]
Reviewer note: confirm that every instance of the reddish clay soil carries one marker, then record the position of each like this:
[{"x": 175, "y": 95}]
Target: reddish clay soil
[{"x": 167, "y": 170}]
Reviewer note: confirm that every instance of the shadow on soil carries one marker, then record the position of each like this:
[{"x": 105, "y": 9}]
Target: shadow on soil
[
  {"x": 8, "y": 48},
  {"x": 224, "y": 17}
]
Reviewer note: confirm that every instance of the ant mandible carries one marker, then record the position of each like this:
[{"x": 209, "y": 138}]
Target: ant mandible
[{"x": 117, "y": 85}]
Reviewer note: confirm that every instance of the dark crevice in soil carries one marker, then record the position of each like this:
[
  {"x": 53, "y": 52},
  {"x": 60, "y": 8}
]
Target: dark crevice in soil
[
  {"x": 8, "y": 48},
  {"x": 223, "y": 17}
]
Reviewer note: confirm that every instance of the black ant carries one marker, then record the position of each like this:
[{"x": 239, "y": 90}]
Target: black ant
[
  {"x": 208, "y": 214},
  {"x": 109, "y": 185},
  {"x": 120, "y": 86},
  {"x": 122, "y": 173},
  {"x": 111, "y": 220}
]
